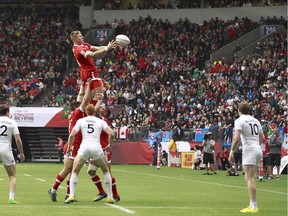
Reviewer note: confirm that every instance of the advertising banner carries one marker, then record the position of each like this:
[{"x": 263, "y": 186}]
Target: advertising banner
[
  {"x": 39, "y": 116},
  {"x": 187, "y": 160},
  {"x": 174, "y": 159}
]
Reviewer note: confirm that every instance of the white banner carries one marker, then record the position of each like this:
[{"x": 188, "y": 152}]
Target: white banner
[{"x": 38, "y": 117}]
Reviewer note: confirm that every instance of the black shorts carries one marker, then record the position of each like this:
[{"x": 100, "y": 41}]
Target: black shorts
[
  {"x": 274, "y": 159},
  {"x": 238, "y": 157},
  {"x": 266, "y": 161},
  {"x": 208, "y": 158}
]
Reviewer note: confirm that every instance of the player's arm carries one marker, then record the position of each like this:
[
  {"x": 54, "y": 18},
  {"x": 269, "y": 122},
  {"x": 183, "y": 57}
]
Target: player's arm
[
  {"x": 235, "y": 143},
  {"x": 72, "y": 137},
  {"x": 87, "y": 95},
  {"x": 111, "y": 134},
  {"x": 98, "y": 97},
  {"x": 19, "y": 146},
  {"x": 261, "y": 137},
  {"x": 99, "y": 52}
]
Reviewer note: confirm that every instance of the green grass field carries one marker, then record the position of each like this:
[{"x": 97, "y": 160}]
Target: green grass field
[{"x": 144, "y": 191}]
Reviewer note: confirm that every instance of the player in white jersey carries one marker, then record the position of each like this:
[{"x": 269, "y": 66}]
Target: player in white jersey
[
  {"x": 9, "y": 128},
  {"x": 91, "y": 128},
  {"x": 249, "y": 130}
]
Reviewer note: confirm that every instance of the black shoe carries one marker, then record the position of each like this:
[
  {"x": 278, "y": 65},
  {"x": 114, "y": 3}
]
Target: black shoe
[
  {"x": 53, "y": 196},
  {"x": 99, "y": 197},
  {"x": 66, "y": 197},
  {"x": 117, "y": 199}
]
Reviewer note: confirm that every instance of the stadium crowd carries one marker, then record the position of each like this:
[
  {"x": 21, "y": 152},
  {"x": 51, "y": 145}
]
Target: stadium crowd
[
  {"x": 180, "y": 4},
  {"x": 162, "y": 78}
]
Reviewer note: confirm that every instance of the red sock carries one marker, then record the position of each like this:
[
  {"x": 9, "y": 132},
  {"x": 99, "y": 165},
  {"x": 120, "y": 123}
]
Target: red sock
[
  {"x": 114, "y": 188},
  {"x": 68, "y": 187},
  {"x": 57, "y": 182},
  {"x": 97, "y": 181}
]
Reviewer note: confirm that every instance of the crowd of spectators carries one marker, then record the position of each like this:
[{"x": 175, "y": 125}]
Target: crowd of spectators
[
  {"x": 34, "y": 50},
  {"x": 161, "y": 78},
  {"x": 164, "y": 82},
  {"x": 180, "y": 4}
]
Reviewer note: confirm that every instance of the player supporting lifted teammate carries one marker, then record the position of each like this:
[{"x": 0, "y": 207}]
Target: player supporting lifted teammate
[
  {"x": 77, "y": 112},
  {"x": 103, "y": 113},
  {"x": 91, "y": 128},
  {"x": 85, "y": 54},
  {"x": 249, "y": 130},
  {"x": 8, "y": 128}
]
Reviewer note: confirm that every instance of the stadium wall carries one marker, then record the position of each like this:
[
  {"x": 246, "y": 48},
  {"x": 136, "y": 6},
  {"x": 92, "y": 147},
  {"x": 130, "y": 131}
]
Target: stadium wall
[{"x": 86, "y": 14}]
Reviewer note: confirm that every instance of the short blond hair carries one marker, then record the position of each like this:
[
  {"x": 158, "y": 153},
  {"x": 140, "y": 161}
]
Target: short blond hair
[
  {"x": 244, "y": 108},
  {"x": 74, "y": 34}
]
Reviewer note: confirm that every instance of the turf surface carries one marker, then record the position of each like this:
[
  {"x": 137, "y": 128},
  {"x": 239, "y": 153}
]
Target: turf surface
[{"x": 144, "y": 191}]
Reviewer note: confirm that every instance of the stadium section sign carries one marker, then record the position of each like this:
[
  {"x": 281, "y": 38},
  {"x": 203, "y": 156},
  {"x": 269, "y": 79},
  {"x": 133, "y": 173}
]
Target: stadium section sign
[{"x": 39, "y": 117}]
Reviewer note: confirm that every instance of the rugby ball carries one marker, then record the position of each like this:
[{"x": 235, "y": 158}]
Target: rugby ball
[{"x": 122, "y": 40}]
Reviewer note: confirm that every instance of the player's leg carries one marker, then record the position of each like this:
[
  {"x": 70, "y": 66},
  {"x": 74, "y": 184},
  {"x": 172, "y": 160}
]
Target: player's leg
[
  {"x": 102, "y": 163},
  {"x": 251, "y": 159},
  {"x": 92, "y": 170},
  {"x": 9, "y": 163},
  {"x": 271, "y": 164},
  {"x": 211, "y": 163},
  {"x": 77, "y": 165},
  {"x": 278, "y": 163},
  {"x": 67, "y": 168},
  {"x": 249, "y": 178},
  {"x": 116, "y": 196},
  {"x": 11, "y": 171}
]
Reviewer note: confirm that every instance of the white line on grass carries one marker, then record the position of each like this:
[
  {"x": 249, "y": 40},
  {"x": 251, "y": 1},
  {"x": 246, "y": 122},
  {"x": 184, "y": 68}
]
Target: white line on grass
[
  {"x": 1, "y": 179},
  {"x": 61, "y": 187},
  {"x": 40, "y": 179},
  {"x": 27, "y": 175},
  {"x": 191, "y": 180},
  {"x": 121, "y": 208}
]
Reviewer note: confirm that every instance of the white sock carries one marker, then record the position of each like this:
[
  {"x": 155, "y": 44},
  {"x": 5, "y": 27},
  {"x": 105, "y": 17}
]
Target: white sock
[
  {"x": 11, "y": 195},
  {"x": 53, "y": 190},
  {"x": 108, "y": 183},
  {"x": 73, "y": 183},
  {"x": 253, "y": 204}
]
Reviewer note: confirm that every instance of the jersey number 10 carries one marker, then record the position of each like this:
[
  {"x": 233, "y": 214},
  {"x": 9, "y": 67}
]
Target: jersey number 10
[{"x": 254, "y": 129}]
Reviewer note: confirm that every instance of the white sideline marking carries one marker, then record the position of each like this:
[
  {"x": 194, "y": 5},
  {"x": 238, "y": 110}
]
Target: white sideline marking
[
  {"x": 61, "y": 187},
  {"x": 27, "y": 175},
  {"x": 121, "y": 208},
  {"x": 1, "y": 179},
  {"x": 191, "y": 180},
  {"x": 40, "y": 179}
]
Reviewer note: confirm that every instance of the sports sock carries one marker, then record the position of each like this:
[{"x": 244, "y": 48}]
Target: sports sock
[
  {"x": 73, "y": 183},
  {"x": 11, "y": 195},
  {"x": 57, "y": 183},
  {"x": 97, "y": 181},
  {"x": 108, "y": 183},
  {"x": 114, "y": 188},
  {"x": 68, "y": 187},
  {"x": 253, "y": 204}
]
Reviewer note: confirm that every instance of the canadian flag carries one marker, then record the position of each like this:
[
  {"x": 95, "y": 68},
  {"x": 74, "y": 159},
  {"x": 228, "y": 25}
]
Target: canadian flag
[{"x": 122, "y": 132}]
